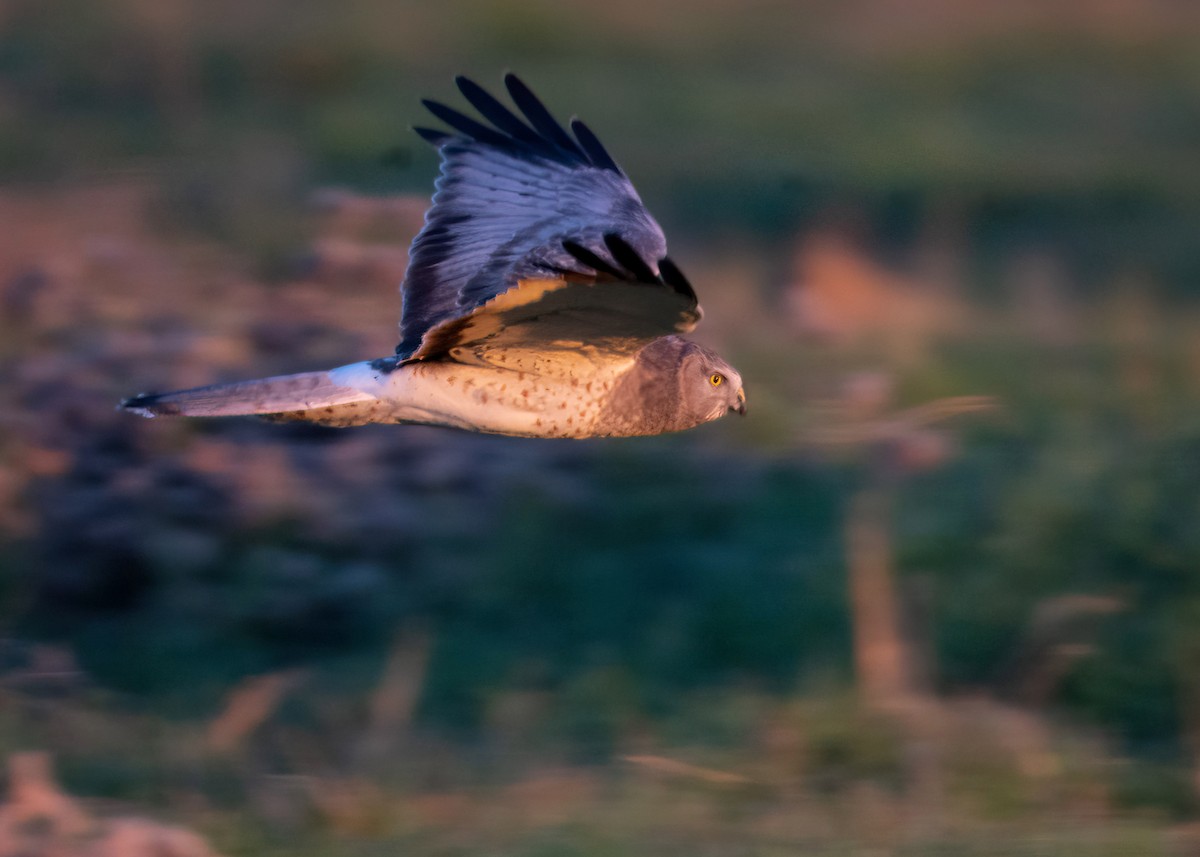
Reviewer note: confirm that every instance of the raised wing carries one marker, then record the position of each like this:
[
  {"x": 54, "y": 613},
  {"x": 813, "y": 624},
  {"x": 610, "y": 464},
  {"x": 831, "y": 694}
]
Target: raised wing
[{"x": 522, "y": 204}]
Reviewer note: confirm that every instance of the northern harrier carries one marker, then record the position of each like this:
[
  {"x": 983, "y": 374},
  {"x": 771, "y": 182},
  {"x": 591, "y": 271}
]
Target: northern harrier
[{"x": 539, "y": 301}]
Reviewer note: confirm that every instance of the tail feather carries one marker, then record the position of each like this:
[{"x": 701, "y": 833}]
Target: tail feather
[{"x": 281, "y": 394}]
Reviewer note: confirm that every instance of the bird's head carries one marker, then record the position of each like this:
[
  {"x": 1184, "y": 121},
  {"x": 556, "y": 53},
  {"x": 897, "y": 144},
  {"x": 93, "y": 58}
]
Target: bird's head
[
  {"x": 709, "y": 386},
  {"x": 674, "y": 384}
]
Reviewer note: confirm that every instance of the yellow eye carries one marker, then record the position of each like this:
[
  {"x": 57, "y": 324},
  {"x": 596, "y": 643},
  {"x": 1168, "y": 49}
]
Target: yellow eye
[{"x": 716, "y": 379}]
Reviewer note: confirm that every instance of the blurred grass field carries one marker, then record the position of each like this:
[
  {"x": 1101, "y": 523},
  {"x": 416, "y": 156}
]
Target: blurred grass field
[{"x": 304, "y": 641}]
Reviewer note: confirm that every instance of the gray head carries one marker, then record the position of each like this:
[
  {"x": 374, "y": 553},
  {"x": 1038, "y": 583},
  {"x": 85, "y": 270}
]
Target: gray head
[
  {"x": 674, "y": 385},
  {"x": 708, "y": 386}
]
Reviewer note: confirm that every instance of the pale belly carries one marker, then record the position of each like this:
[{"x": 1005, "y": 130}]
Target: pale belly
[{"x": 486, "y": 398}]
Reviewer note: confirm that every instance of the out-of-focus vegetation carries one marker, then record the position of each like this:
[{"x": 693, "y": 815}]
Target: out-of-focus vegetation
[{"x": 302, "y": 641}]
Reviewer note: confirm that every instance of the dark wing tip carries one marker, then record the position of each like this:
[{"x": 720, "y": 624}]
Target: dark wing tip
[
  {"x": 543, "y": 135},
  {"x": 466, "y": 125},
  {"x": 587, "y": 257},
  {"x": 539, "y": 117},
  {"x": 496, "y": 113},
  {"x": 431, "y": 135},
  {"x": 673, "y": 277},
  {"x": 629, "y": 259},
  {"x": 595, "y": 150}
]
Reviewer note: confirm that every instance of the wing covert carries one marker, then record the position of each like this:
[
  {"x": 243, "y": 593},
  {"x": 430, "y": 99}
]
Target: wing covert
[{"x": 617, "y": 309}]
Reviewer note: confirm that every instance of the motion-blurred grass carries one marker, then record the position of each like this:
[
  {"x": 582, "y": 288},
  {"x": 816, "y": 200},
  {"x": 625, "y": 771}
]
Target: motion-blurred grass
[{"x": 613, "y": 647}]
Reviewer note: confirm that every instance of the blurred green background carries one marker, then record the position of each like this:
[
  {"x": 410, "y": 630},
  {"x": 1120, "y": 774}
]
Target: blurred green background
[{"x": 938, "y": 594}]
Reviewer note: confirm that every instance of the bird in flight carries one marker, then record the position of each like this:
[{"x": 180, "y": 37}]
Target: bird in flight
[{"x": 539, "y": 301}]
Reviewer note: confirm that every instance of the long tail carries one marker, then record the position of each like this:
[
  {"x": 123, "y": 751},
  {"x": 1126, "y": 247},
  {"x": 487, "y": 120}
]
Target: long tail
[{"x": 308, "y": 396}]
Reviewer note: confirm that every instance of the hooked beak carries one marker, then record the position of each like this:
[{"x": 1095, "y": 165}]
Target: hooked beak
[{"x": 741, "y": 403}]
